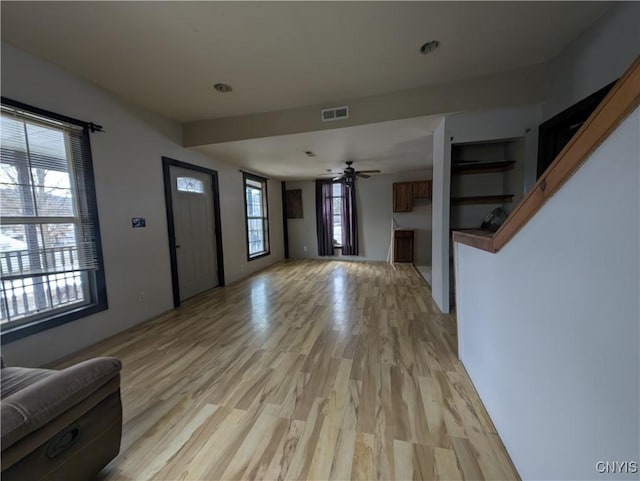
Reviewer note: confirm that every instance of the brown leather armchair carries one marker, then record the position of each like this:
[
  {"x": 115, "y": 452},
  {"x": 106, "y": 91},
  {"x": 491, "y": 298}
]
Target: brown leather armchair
[{"x": 60, "y": 425}]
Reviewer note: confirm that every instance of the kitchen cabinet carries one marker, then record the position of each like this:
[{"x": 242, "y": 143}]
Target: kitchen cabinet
[
  {"x": 402, "y": 197},
  {"x": 403, "y": 245},
  {"x": 421, "y": 189},
  {"x": 404, "y": 193}
]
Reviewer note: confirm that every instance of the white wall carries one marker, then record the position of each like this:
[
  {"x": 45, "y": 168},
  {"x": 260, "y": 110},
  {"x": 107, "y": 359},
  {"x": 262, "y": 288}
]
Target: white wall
[
  {"x": 374, "y": 201},
  {"x": 599, "y": 56},
  {"x": 549, "y": 326},
  {"x": 440, "y": 225},
  {"x": 497, "y": 124},
  {"x": 128, "y": 174}
]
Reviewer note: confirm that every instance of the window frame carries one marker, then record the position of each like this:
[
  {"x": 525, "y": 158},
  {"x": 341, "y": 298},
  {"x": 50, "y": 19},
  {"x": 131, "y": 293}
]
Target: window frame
[
  {"x": 198, "y": 182},
  {"x": 333, "y": 214},
  {"x": 97, "y": 282},
  {"x": 265, "y": 218}
]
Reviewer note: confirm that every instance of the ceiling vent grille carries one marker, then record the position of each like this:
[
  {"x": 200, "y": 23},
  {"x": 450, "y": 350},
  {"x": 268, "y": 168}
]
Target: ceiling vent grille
[{"x": 334, "y": 113}]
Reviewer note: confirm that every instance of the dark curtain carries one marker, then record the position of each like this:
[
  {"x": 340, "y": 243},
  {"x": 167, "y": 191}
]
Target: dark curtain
[
  {"x": 324, "y": 220},
  {"x": 349, "y": 220}
]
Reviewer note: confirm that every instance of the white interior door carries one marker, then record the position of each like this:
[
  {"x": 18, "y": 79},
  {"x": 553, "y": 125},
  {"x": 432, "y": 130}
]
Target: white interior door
[{"x": 192, "y": 200}]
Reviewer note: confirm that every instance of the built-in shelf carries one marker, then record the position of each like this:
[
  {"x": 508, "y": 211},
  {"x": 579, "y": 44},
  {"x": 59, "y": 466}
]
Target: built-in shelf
[
  {"x": 482, "y": 199},
  {"x": 470, "y": 229},
  {"x": 465, "y": 168}
]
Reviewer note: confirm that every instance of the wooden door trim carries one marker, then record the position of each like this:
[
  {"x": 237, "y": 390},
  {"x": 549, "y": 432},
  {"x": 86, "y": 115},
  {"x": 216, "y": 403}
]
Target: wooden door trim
[
  {"x": 167, "y": 163},
  {"x": 285, "y": 219}
]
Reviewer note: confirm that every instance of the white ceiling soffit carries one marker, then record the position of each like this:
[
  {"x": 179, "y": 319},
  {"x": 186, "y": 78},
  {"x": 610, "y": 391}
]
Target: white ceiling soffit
[
  {"x": 166, "y": 56},
  {"x": 394, "y": 146}
]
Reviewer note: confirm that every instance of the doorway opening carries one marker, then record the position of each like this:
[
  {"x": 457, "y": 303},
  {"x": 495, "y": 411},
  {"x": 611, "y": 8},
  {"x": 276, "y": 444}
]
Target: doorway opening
[{"x": 193, "y": 220}]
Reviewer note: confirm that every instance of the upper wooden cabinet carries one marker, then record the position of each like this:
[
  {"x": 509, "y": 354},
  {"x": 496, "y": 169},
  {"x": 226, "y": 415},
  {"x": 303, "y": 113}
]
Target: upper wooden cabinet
[
  {"x": 402, "y": 197},
  {"x": 405, "y": 192},
  {"x": 421, "y": 189}
]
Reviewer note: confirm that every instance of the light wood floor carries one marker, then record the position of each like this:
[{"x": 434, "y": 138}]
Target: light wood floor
[{"x": 308, "y": 370}]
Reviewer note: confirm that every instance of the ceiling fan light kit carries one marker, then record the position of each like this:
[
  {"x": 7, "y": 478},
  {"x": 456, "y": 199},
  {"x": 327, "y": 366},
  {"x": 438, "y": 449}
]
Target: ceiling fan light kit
[{"x": 349, "y": 174}]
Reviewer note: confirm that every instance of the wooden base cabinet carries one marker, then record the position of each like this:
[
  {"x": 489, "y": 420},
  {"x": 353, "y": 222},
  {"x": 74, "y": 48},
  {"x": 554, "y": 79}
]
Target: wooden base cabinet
[{"x": 403, "y": 245}]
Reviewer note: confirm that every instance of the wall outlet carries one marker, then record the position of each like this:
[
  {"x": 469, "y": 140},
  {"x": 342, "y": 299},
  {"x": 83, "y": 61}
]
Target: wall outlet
[
  {"x": 141, "y": 296},
  {"x": 304, "y": 248}
]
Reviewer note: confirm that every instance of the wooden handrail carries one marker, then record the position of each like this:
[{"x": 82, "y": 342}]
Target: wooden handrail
[{"x": 623, "y": 99}]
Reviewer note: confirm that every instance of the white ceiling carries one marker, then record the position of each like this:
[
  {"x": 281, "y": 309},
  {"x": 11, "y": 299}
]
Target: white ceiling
[
  {"x": 393, "y": 146},
  {"x": 166, "y": 56}
]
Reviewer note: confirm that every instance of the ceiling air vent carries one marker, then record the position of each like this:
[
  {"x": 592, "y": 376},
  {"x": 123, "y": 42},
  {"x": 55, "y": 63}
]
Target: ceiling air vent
[{"x": 334, "y": 113}]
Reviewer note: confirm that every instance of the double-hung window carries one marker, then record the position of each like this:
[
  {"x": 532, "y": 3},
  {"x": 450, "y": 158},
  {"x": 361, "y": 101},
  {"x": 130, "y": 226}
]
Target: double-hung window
[
  {"x": 50, "y": 256},
  {"x": 257, "y": 216}
]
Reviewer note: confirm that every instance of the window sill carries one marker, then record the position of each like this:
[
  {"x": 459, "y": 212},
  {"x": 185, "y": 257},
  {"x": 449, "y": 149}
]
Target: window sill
[
  {"x": 10, "y": 334},
  {"x": 258, "y": 256}
]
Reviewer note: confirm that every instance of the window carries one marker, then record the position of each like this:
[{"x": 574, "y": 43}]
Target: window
[
  {"x": 50, "y": 256},
  {"x": 255, "y": 197},
  {"x": 189, "y": 184},
  {"x": 337, "y": 198},
  {"x": 336, "y": 218}
]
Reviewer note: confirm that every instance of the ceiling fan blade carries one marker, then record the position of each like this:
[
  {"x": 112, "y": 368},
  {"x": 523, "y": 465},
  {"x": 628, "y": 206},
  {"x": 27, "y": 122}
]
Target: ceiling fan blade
[
  {"x": 364, "y": 176},
  {"x": 369, "y": 172},
  {"x": 340, "y": 177}
]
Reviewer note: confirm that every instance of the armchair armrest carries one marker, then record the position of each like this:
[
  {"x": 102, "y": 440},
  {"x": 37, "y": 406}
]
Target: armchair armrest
[{"x": 34, "y": 406}]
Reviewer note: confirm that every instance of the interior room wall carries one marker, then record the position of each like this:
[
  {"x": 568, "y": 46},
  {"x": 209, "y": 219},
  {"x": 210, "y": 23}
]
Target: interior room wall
[
  {"x": 440, "y": 217},
  {"x": 129, "y": 183},
  {"x": 598, "y": 57},
  {"x": 375, "y": 212},
  {"x": 508, "y": 123},
  {"x": 513, "y": 180},
  {"x": 548, "y": 327}
]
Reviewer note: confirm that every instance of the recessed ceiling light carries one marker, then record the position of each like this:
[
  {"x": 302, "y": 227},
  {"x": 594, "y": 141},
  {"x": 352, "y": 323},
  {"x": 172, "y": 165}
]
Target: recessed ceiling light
[
  {"x": 429, "y": 47},
  {"x": 224, "y": 88}
]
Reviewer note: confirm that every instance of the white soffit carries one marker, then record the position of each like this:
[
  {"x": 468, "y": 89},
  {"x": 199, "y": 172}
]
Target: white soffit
[{"x": 393, "y": 146}]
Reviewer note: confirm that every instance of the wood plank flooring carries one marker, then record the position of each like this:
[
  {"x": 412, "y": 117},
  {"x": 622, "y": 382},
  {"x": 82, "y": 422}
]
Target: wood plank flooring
[{"x": 307, "y": 370}]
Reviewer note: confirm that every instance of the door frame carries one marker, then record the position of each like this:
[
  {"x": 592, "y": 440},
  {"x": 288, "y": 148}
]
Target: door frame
[{"x": 167, "y": 163}]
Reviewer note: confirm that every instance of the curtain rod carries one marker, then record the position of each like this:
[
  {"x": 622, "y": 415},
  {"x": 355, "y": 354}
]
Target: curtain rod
[{"x": 38, "y": 111}]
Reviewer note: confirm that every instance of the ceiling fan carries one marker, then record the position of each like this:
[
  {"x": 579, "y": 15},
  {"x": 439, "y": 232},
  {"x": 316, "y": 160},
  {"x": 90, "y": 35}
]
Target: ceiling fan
[{"x": 349, "y": 173}]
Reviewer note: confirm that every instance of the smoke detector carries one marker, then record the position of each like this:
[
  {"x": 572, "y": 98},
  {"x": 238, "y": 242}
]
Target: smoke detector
[
  {"x": 224, "y": 88},
  {"x": 429, "y": 47}
]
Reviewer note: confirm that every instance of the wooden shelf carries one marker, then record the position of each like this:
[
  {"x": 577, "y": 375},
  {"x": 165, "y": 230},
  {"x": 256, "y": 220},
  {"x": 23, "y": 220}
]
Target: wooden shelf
[
  {"x": 482, "y": 199},
  {"x": 482, "y": 167}
]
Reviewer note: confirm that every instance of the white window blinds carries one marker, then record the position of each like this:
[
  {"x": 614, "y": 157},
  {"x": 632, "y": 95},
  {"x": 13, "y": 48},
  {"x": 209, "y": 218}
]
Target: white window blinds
[{"x": 47, "y": 217}]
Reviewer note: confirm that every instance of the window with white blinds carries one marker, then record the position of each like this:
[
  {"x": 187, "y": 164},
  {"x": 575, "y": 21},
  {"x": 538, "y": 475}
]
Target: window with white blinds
[{"x": 50, "y": 259}]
